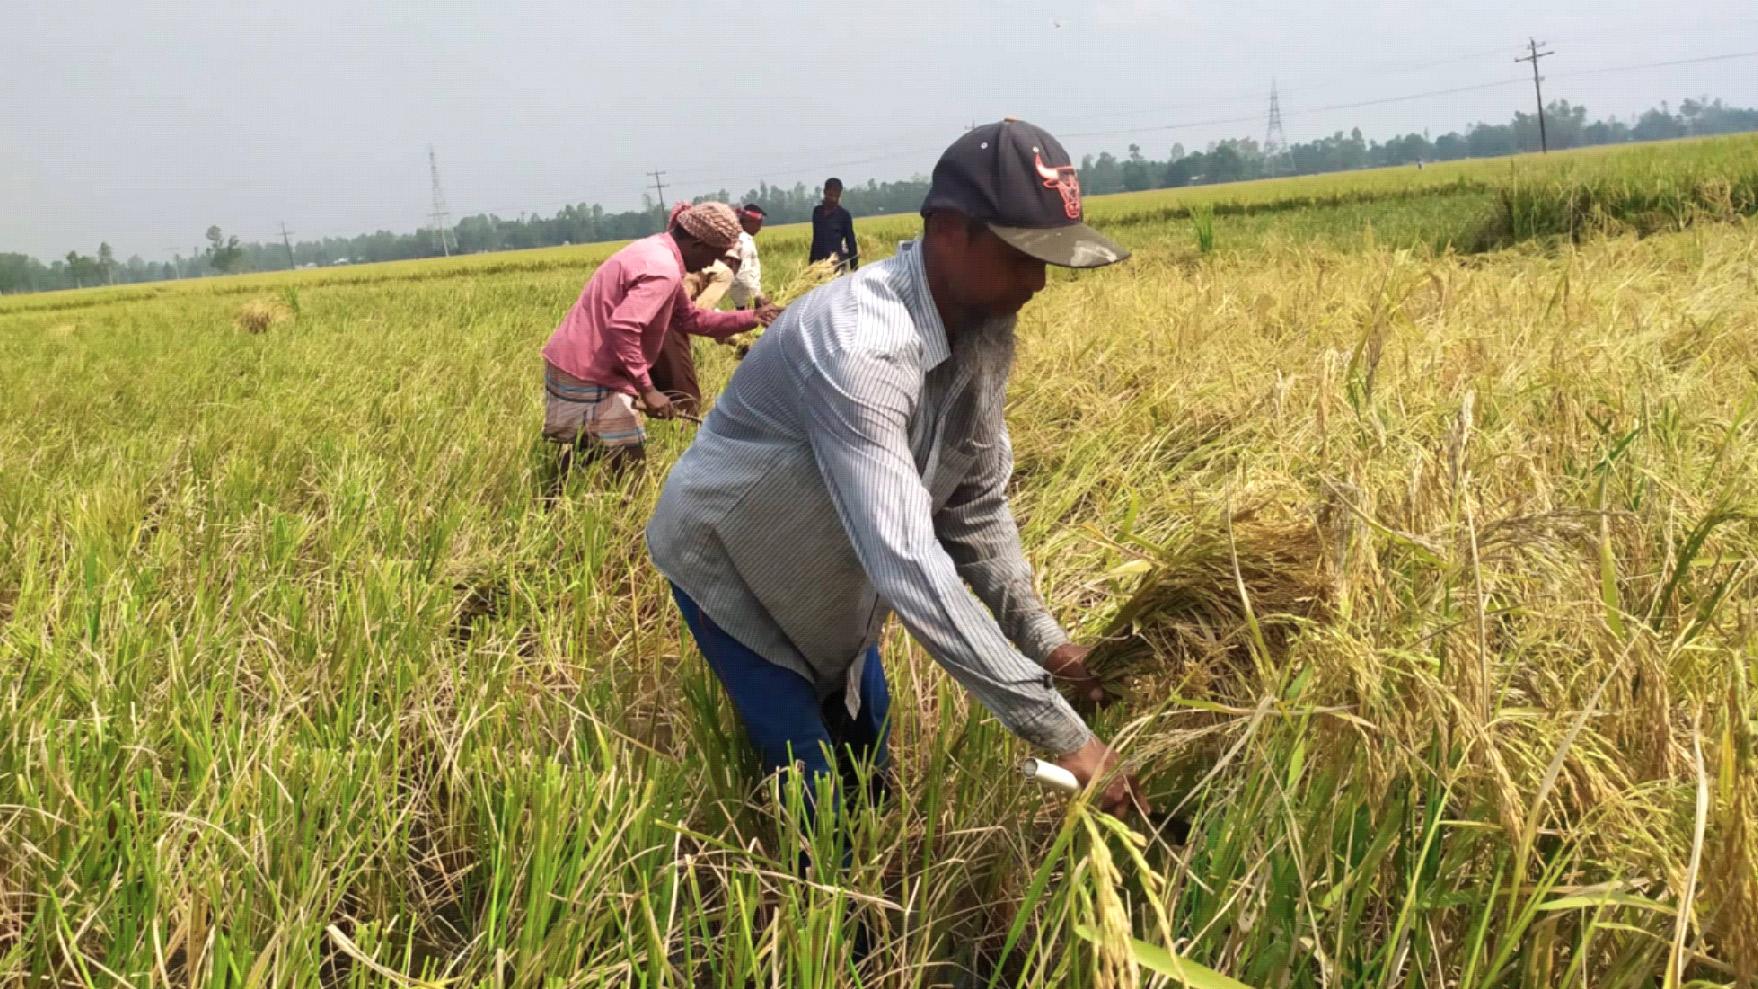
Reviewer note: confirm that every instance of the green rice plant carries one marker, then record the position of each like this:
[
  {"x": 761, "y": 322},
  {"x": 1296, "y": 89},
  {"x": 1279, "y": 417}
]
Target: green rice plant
[{"x": 1202, "y": 224}]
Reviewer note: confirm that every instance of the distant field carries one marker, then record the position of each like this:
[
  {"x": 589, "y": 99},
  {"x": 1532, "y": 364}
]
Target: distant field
[
  {"x": 1416, "y": 517},
  {"x": 1455, "y": 205}
]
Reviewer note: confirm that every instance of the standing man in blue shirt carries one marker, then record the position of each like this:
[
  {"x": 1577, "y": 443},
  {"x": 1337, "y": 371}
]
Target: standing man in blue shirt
[{"x": 833, "y": 230}]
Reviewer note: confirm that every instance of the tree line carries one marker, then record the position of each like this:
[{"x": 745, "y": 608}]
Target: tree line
[{"x": 1231, "y": 160}]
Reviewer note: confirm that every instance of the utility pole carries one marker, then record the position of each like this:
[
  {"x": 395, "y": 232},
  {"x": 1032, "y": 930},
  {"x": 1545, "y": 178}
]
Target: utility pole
[
  {"x": 663, "y": 208},
  {"x": 289, "y": 245},
  {"x": 440, "y": 217},
  {"x": 1537, "y": 90}
]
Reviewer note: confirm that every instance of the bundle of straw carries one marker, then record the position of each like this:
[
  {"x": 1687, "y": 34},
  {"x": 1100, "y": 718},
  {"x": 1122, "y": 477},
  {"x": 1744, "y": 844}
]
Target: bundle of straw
[
  {"x": 258, "y": 315},
  {"x": 804, "y": 280},
  {"x": 821, "y": 272},
  {"x": 1206, "y": 594}
]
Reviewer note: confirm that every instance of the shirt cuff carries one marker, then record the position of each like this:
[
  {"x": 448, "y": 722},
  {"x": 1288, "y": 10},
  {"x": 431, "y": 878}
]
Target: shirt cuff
[
  {"x": 1041, "y": 637},
  {"x": 1053, "y": 726}
]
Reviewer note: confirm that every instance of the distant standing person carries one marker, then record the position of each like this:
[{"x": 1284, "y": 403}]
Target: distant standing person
[
  {"x": 597, "y": 362},
  {"x": 747, "y": 283},
  {"x": 833, "y": 230}
]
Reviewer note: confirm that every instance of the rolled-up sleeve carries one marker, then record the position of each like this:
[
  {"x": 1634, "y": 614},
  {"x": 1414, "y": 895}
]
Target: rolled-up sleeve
[
  {"x": 687, "y": 317},
  {"x": 978, "y": 531},
  {"x": 858, "y": 426}
]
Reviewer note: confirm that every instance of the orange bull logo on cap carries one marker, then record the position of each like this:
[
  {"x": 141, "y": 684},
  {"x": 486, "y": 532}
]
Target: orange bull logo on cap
[{"x": 1064, "y": 179}]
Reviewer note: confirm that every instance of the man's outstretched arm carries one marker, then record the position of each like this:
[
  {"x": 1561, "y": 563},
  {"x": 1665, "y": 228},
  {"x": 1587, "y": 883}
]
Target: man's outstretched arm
[
  {"x": 859, "y": 436},
  {"x": 978, "y": 531}
]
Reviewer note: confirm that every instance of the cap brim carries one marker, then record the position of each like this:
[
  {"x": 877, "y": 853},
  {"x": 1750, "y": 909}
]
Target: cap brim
[{"x": 1074, "y": 246}]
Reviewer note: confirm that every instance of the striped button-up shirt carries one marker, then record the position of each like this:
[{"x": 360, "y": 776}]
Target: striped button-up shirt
[{"x": 855, "y": 466}]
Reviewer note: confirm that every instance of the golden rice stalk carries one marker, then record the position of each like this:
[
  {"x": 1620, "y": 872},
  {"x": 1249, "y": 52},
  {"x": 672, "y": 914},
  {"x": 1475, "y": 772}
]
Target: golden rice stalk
[
  {"x": 805, "y": 280},
  {"x": 1731, "y": 860},
  {"x": 1186, "y": 605},
  {"x": 817, "y": 273}
]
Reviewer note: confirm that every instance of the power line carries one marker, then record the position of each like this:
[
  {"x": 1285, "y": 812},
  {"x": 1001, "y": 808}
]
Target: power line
[
  {"x": 824, "y": 167},
  {"x": 659, "y": 184},
  {"x": 1538, "y": 89},
  {"x": 1655, "y": 65},
  {"x": 1412, "y": 96},
  {"x": 899, "y": 150},
  {"x": 1412, "y": 64},
  {"x": 832, "y": 165},
  {"x": 288, "y": 244},
  {"x": 1215, "y": 122}
]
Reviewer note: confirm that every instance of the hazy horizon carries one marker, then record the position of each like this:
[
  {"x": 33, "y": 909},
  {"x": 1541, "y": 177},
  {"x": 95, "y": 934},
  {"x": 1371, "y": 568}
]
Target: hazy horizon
[{"x": 141, "y": 126}]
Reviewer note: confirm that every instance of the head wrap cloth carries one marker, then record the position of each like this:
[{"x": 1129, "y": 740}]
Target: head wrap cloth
[{"x": 716, "y": 225}]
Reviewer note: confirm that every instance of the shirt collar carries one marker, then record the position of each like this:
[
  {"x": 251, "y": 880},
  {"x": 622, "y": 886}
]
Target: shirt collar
[
  {"x": 935, "y": 349},
  {"x": 672, "y": 246}
]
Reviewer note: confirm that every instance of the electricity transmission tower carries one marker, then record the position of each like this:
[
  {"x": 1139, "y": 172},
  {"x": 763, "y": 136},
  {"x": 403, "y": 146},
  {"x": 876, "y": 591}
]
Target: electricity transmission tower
[
  {"x": 1275, "y": 139},
  {"x": 287, "y": 243},
  {"x": 441, "y": 218},
  {"x": 1537, "y": 90},
  {"x": 660, "y": 186}
]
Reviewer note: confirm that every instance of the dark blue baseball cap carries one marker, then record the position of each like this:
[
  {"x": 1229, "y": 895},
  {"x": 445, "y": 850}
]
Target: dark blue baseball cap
[{"x": 1017, "y": 179}]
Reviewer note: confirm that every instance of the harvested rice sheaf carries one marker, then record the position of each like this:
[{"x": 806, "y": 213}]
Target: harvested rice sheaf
[
  {"x": 258, "y": 315},
  {"x": 1189, "y": 606}
]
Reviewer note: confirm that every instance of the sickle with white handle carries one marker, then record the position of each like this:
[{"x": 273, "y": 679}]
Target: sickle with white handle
[{"x": 1050, "y": 775}]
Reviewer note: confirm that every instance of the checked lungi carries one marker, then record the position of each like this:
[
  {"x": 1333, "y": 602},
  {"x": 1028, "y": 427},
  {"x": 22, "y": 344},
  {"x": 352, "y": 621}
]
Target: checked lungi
[{"x": 576, "y": 410}]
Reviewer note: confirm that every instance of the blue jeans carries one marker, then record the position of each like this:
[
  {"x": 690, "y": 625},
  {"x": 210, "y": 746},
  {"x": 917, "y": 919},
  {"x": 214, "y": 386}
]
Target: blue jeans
[{"x": 783, "y": 717}]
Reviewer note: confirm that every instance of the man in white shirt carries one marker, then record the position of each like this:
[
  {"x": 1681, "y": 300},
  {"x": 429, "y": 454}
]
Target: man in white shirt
[{"x": 746, "y": 291}]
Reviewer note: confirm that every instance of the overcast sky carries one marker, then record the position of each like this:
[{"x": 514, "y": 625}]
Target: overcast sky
[{"x": 141, "y": 122}]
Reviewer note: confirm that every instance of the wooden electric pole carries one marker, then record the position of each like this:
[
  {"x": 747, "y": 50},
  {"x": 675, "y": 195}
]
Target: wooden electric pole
[{"x": 1537, "y": 89}]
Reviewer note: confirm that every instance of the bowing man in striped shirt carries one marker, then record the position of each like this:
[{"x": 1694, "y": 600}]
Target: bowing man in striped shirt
[{"x": 856, "y": 466}]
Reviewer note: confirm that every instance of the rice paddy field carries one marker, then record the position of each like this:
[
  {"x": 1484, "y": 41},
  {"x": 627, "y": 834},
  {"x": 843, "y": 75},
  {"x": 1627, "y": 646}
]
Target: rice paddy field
[{"x": 1413, "y": 512}]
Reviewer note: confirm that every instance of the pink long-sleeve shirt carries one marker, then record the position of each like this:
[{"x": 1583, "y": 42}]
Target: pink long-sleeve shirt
[{"x": 615, "y": 329}]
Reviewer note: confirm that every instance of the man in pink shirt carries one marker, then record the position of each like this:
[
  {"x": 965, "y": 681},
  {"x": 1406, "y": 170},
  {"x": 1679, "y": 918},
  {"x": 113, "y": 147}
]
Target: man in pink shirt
[{"x": 597, "y": 363}]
